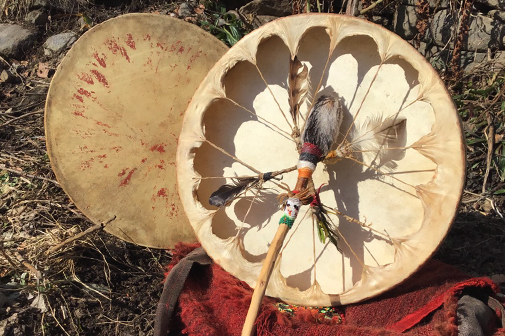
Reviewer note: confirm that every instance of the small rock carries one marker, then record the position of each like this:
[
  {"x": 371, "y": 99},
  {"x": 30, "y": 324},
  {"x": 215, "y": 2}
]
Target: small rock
[
  {"x": 15, "y": 40},
  {"x": 405, "y": 21},
  {"x": 36, "y": 4},
  {"x": 57, "y": 43},
  {"x": 497, "y": 15},
  {"x": 7, "y": 77},
  {"x": 484, "y": 32},
  {"x": 496, "y": 4},
  {"x": 442, "y": 27},
  {"x": 234, "y": 13},
  {"x": 185, "y": 9},
  {"x": 380, "y": 20},
  {"x": 37, "y": 17}
]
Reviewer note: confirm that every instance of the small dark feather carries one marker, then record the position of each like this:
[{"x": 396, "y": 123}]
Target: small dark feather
[
  {"x": 228, "y": 192},
  {"x": 323, "y": 124}
]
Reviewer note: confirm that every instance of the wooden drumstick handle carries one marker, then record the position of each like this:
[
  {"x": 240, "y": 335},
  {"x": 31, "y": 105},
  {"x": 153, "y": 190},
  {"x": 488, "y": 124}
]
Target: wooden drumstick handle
[{"x": 261, "y": 285}]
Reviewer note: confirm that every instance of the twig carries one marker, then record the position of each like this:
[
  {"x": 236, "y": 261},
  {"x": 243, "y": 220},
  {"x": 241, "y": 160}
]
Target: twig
[
  {"x": 29, "y": 266},
  {"x": 351, "y": 7},
  {"x": 80, "y": 235},
  {"x": 13, "y": 69},
  {"x": 3, "y": 167},
  {"x": 21, "y": 117},
  {"x": 6, "y": 256},
  {"x": 490, "y": 148},
  {"x": 372, "y": 6}
]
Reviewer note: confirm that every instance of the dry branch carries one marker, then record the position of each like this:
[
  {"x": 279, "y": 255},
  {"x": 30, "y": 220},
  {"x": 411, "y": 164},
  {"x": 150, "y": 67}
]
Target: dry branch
[
  {"x": 3, "y": 167},
  {"x": 80, "y": 235},
  {"x": 21, "y": 117}
]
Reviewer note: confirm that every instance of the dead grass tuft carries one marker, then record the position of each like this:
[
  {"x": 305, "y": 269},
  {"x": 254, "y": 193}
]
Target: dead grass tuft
[{"x": 16, "y": 9}]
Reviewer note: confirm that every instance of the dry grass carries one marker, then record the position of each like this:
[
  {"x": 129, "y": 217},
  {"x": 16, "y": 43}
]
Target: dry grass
[{"x": 16, "y": 9}]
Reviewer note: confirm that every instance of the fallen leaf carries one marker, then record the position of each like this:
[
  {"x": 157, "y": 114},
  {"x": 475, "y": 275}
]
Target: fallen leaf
[
  {"x": 43, "y": 70},
  {"x": 498, "y": 138},
  {"x": 199, "y": 9}
]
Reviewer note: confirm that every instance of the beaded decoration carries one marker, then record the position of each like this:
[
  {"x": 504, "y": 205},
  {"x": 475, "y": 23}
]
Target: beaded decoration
[{"x": 291, "y": 208}]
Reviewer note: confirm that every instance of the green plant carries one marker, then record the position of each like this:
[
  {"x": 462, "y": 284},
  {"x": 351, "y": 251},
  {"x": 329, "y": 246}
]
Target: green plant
[{"x": 225, "y": 26}]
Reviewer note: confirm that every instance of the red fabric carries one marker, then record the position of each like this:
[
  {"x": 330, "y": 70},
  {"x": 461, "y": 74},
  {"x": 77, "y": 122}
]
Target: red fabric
[{"x": 215, "y": 303}]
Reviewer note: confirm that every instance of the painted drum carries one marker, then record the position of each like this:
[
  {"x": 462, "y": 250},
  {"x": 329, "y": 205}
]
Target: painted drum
[{"x": 113, "y": 115}]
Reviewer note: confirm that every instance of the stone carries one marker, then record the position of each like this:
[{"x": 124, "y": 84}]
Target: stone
[
  {"x": 497, "y": 15},
  {"x": 36, "y": 4},
  {"x": 405, "y": 20},
  {"x": 484, "y": 32},
  {"x": 440, "y": 4},
  {"x": 495, "y": 64},
  {"x": 15, "y": 40},
  {"x": 57, "y": 43},
  {"x": 7, "y": 77},
  {"x": 496, "y": 4},
  {"x": 185, "y": 10},
  {"x": 380, "y": 20},
  {"x": 37, "y": 17}
]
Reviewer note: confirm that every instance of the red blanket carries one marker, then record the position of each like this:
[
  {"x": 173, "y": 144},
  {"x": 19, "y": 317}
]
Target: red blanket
[{"x": 215, "y": 303}]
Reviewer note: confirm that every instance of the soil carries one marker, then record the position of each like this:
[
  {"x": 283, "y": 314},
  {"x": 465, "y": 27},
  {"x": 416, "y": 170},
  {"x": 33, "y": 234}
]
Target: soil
[{"x": 101, "y": 285}]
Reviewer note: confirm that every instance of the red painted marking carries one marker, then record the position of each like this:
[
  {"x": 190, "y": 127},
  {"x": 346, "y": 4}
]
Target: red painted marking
[
  {"x": 147, "y": 37},
  {"x": 181, "y": 50},
  {"x": 110, "y": 133},
  {"x": 122, "y": 172},
  {"x": 102, "y": 156},
  {"x": 144, "y": 160},
  {"x": 100, "y": 60},
  {"x": 175, "y": 46},
  {"x": 76, "y": 96},
  {"x": 127, "y": 180},
  {"x": 117, "y": 148},
  {"x": 80, "y": 114},
  {"x": 162, "y": 192},
  {"x": 87, "y": 164},
  {"x": 158, "y": 148},
  {"x": 85, "y": 77},
  {"x": 100, "y": 77},
  {"x": 99, "y": 123},
  {"x": 115, "y": 48},
  {"x": 193, "y": 58},
  {"x": 130, "y": 42},
  {"x": 84, "y": 92},
  {"x": 174, "y": 209},
  {"x": 106, "y": 166},
  {"x": 161, "y": 46}
]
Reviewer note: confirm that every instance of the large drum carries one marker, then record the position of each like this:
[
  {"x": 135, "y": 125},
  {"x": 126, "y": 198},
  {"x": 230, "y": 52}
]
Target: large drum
[
  {"x": 113, "y": 116},
  {"x": 390, "y": 198}
]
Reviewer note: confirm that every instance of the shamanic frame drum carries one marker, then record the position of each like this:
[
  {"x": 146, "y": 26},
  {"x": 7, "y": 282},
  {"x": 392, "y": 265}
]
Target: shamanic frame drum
[
  {"x": 391, "y": 202},
  {"x": 113, "y": 116}
]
